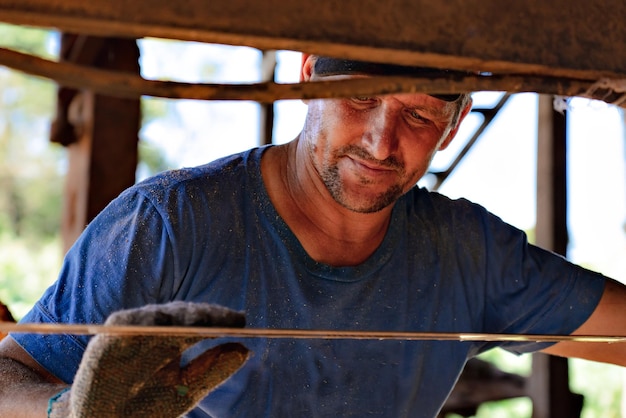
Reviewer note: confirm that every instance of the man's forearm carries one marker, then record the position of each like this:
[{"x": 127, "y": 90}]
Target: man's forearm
[
  {"x": 609, "y": 318},
  {"x": 23, "y": 393}
]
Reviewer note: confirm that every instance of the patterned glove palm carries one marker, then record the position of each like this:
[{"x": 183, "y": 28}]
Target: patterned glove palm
[{"x": 141, "y": 376}]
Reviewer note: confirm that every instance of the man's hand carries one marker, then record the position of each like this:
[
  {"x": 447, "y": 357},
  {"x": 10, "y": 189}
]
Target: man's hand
[{"x": 141, "y": 376}]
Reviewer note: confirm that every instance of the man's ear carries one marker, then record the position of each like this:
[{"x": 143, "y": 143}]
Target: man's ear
[
  {"x": 306, "y": 67},
  {"x": 444, "y": 144}
]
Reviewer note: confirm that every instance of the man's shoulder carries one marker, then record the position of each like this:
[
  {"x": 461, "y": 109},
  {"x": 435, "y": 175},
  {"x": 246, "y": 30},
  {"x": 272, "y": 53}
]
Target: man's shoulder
[
  {"x": 440, "y": 214},
  {"x": 228, "y": 173},
  {"x": 423, "y": 201},
  {"x": 436, "y": 212}
]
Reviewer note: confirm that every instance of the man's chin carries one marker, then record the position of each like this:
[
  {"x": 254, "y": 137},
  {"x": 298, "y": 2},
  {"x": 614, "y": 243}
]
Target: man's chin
[{"x": 362, "y": 204}]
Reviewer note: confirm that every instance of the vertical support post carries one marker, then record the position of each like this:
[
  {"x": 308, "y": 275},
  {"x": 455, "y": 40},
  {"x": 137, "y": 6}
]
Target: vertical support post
[
  {"x": 549, "y": 381},
  {"x": 103, "y": 152},
  {"x": 268, "y": 73}
]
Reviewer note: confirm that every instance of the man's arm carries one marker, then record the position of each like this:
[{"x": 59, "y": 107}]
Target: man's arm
[
  {"x": 609, "y": 318},
  {"x": 121, "y": 375},
  {"x": 25, "y": 386}
]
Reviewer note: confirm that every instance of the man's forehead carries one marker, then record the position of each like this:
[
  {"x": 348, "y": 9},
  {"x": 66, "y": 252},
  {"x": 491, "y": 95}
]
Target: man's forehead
[
  {"x": 432, "y": 105},
  {"x": 327, "y": 66}
]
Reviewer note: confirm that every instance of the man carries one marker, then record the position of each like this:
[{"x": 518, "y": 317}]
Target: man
[{"x": 326, "y": 232}]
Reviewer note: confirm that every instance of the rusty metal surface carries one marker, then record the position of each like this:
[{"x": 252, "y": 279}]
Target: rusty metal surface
[{"x": 560, "y": 37}]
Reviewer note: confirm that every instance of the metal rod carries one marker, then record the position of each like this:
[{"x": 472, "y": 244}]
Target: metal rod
[{"x": 215, "y": 332}]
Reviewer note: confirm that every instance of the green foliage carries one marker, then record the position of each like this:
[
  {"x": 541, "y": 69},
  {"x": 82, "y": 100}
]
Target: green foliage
[
  {"x": 35, "y": 41},
  {"x": 31, "y": 173},
  {"x": 508, "y": 408},
  {"x": 601, "y": 385},
  {"x": 509, "y": 362},
  {"x": 31, "y": 177},
  {"x": 26, "y": 270},
  {"x": 152, "y": 160},
  {"x": 153, "y": 108}
]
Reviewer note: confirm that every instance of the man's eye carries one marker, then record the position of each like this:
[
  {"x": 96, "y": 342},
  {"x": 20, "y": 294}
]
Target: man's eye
[
  {"x": 363, "y": 99},
  {"x": 415, "y": 115}
]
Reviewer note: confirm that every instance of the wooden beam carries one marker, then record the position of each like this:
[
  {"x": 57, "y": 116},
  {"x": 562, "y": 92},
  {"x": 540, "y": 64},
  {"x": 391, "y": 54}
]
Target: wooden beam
[
  {"x": 132, "y": 85},
  {"x": 103, "y": 160},
  {"x": 268, "y": 74},
  {"x": 549, "y": 381},
  {"x": 562, "y": 38}
]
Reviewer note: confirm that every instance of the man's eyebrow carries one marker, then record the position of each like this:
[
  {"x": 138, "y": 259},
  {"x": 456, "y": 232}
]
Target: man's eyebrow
[{"x": 444, "y": 112}]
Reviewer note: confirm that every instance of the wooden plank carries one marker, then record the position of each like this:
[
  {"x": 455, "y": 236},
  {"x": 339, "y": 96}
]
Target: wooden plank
[
  {"x": 573, "y": 39},
  {"x": 130, "y": 85},
  {"x": 549, "y": 381},
  {"x": 266, "y": 117},
  {"x": 103, "y": 160}
]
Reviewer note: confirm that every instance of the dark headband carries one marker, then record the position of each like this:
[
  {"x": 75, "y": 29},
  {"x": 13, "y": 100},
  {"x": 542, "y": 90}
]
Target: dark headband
[{"x": 326, "y": 66}]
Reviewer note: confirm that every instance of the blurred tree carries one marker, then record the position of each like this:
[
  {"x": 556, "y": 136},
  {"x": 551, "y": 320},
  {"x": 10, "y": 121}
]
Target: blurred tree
[
  {"x": 152, "y": 159},
  {"x": 31, "y": 172},
  {"x": 31, "y": 175}
]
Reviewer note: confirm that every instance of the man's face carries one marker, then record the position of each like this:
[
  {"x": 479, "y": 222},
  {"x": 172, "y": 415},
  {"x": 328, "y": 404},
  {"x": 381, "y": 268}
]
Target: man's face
[{"x": 369, "y": 151}]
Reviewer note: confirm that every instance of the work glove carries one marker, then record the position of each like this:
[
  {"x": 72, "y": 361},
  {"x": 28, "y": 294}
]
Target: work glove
[{"x": 136, "y": 376}]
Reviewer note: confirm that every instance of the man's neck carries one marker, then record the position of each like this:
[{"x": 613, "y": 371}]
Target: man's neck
[{"x": 329, "y": 233}]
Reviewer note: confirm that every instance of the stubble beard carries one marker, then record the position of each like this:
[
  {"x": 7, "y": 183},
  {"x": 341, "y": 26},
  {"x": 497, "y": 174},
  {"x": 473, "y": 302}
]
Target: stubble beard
[{"x": 329, "y": 173}]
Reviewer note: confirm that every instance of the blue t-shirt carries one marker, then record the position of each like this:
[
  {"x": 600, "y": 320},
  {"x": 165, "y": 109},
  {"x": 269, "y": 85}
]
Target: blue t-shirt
[{"x": 211, "y": 234}]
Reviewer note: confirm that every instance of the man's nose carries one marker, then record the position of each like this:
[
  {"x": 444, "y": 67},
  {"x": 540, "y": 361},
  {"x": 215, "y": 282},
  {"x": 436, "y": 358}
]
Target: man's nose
[{"x": 380, "y": 137}]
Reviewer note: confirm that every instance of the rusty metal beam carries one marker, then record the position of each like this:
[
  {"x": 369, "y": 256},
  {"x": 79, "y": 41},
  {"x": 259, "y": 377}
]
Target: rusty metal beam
[{"x": 562, "y": 38}]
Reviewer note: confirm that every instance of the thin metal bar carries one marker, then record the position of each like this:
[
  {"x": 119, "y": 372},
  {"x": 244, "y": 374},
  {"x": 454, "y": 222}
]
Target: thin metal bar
[
  {"x": 489, "y": 115},
  {"x": 215, "y": 332}
]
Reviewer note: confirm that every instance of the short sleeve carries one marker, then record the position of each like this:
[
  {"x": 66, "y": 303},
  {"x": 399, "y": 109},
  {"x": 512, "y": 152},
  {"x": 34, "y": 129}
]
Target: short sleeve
[
  {"x": 118, "y": 262},
  {"x": 529, "y": 290}
]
